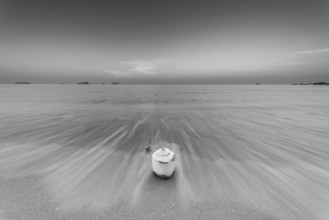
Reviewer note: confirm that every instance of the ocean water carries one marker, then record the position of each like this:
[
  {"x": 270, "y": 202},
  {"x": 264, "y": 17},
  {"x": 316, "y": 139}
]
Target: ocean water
[{"x": 258, "y": 148}]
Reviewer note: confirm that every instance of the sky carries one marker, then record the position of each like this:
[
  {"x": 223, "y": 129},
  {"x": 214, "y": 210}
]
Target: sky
[{"x": 164, "y": 41}]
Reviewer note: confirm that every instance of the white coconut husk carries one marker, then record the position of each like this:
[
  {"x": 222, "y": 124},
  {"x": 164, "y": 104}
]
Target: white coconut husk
[{"x": 163, "y": 162}]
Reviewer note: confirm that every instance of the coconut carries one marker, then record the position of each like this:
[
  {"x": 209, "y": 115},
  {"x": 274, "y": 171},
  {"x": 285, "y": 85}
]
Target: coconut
[{"x": 163, "y": 162}]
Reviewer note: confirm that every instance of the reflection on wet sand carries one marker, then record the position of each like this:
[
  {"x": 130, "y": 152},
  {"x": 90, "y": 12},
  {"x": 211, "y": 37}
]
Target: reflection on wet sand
[{"x": 89, "y": 159}]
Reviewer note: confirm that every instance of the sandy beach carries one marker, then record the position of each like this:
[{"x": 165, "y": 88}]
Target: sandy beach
[{"x": 238, "y": 156}]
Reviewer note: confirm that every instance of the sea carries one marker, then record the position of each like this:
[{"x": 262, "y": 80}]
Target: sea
[{"x": 242, "y": 151}]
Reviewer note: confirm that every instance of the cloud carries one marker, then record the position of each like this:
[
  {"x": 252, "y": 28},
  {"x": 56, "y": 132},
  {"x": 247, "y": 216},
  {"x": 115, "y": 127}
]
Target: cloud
[
  {"x": 147, "y": 67},
  {"x": 304, "y": 57},
  {"x": 326, "y": 50},
  {"x": 118, "y": 73}
]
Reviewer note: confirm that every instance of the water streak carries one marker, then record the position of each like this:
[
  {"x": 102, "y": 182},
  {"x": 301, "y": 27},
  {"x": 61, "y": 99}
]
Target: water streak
[{"x": 271, "y": 153}]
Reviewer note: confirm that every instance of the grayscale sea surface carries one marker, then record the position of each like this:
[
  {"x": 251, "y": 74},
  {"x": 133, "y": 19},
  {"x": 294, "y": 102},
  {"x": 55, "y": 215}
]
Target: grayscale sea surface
[{"x": 242, "y": 151}]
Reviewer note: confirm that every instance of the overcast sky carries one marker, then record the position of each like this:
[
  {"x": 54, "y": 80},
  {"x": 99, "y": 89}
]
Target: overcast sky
[{"x": 164, "y": 41}]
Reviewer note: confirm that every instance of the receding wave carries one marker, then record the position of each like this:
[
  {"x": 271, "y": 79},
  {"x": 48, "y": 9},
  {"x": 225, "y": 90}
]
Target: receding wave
[{"x": 273, "y": 157}]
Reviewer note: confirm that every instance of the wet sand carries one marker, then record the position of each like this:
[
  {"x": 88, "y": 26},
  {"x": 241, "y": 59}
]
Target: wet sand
[{"x": 234, "y": 161}]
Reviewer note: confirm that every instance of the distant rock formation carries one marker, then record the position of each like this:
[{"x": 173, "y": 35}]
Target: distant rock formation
[
  {"x": 320, "y": 83},
  {"x": 22, "y": 83},
  {"x": 115, "y": 83},
  {"x": 83, "y": 83}
]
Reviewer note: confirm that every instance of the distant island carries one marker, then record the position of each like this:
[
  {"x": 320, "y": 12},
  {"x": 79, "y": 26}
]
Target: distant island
[
  {"x": 115, "y": 83},
  {"x": 22, "y": 83},
  {"x": 320, "y": 83},
  {"x": 83, "y": 83},
  {"x": 314, "y": 83}
]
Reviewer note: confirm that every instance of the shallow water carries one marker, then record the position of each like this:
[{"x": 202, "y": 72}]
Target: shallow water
[{"x": 265, "y": 146}]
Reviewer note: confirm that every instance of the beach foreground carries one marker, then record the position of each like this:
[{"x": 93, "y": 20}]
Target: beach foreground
[{"x": 242, "y": 152}]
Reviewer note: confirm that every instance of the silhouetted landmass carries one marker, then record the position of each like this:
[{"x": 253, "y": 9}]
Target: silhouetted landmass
[
  {"x": 115, "y": 83},
  {"x": 83, "y": 83},
  {"x": 22, "y": 83},
  {"x": 257, "y": 84},
  {"x": 314, "y": 83},
  {"x": 320, "y": 83}
]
